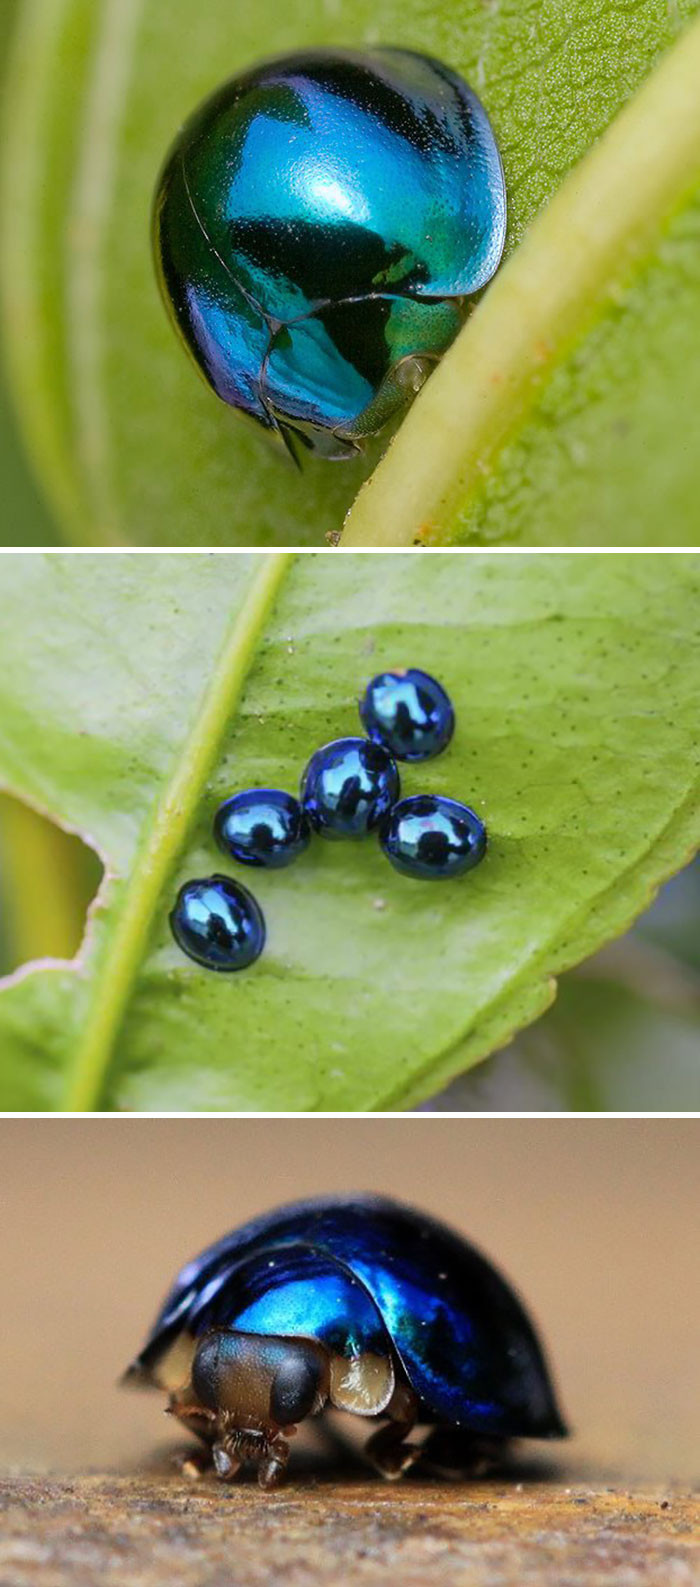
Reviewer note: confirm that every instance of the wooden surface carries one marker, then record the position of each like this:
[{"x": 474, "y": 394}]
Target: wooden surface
[{"x": 161, "y": 1531}]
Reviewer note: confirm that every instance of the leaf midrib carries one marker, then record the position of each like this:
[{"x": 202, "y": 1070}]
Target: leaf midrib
[
  {"x": 162, "y": 842},
  {"x": 576, "y": 250}
]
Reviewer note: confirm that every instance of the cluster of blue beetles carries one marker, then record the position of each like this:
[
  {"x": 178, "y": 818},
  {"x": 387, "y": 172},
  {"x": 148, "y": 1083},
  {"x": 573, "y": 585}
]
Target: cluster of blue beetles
[{"x": 350, "y": 788}]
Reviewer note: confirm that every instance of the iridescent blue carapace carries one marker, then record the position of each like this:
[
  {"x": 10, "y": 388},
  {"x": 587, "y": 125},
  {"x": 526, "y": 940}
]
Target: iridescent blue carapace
[
  {"x": 262, "y": 827},
  {"x": 348, "y": 787},
  {"x": 403, "y": 1319},
  {"x": 433, "y": 838},
  {"x": 409, "y": 712},
  {"x": 319, "y": 225},
  {"x": 218, "y": 923}
]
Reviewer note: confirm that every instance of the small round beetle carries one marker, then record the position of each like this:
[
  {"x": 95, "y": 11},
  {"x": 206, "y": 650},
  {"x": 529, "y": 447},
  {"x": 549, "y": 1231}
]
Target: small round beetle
[
  {"x": 218, "y": 923},
  {"x": 409, "y": 712},
  {"x": 262, "y": 827},
  {"x": 319, "y": 223},
  {"x": 348, "y": 787},
  {"x": 432, "y": 838},
  {"x": 358, "y": 1303}
]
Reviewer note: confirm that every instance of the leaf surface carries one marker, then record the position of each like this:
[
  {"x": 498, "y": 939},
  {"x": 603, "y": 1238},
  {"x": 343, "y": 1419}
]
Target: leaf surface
[{"x": 131, "y": 704}]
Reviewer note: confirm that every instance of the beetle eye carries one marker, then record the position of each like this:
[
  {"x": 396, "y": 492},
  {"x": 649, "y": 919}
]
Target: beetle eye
[
  {"x": 295, "y": 1387},
  {"x": 206, "y": 1371}
]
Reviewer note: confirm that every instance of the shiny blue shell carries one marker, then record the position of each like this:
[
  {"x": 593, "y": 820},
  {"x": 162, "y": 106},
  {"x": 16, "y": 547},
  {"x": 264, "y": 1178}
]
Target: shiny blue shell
[
  {"x": 262, "y": 827},
  {"x": 432, "y": 838},
  {"x": 218, "y": 923},
  {"x": 318, "y": 224},
  {"x": 368, "y": 1274},
  {"x": 409, "y": 712},
  {"x": 348, "y": 787}
]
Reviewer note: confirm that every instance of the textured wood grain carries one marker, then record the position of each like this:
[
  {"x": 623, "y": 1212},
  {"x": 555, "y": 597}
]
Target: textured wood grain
[{"x": 157, "y": 1531}]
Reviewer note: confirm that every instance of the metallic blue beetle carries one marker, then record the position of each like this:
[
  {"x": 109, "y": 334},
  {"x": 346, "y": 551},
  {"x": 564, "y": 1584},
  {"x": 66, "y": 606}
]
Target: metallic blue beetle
[
  {"x": 348, "y": 787},
  {"x": 263, "y": 827},
  {"x": 218, "y": 923},
  {"x": 409, "y": 712},
  {"x": 319, "y": 223},
  {"x": 432, "y": 838},
  {"x": 358, "y": 1303}
]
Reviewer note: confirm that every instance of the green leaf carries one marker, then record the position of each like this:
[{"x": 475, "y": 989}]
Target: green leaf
[
  {"x": 130, "y": 704},
  {"x": 134, "y": 449}
]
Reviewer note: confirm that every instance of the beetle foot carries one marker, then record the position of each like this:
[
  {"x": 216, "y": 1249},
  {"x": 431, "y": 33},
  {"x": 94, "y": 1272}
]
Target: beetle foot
[
  {"x": 273, "y": 1465},
  {"x": 227, "y": 1463},
  {"x": 389, "y": 1454}
]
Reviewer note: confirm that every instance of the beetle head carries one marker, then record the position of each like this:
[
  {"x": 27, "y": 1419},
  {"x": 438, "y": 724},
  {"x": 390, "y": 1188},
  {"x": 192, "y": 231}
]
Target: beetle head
[{"x": 260, "y": 1381}]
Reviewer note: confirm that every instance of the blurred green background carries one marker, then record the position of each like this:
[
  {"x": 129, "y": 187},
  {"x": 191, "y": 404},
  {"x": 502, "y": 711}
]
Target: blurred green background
[{"x": 26, "y": 518}]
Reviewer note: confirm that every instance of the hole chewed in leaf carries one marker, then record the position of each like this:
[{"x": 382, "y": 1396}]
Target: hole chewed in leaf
[{"x": 48, "y": 880}]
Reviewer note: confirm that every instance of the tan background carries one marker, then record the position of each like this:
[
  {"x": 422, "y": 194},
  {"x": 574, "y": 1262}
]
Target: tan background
[{"x": 596, "y": 1221}]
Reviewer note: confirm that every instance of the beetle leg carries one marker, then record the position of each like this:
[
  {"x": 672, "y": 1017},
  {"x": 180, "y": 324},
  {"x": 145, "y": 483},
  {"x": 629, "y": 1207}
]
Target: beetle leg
[
  {"x": 388, "y": 1452},
  {"x": 189, "y": 1412},
  {"x": 386, "y": 1449},
  {"x": 450, "y": 1452},
  {"x": 288, "y": 437},
  {"x": 194, "y": 1463},
  {"x": 292, "y": 443},
  {"x": 197, "y": 1419}
]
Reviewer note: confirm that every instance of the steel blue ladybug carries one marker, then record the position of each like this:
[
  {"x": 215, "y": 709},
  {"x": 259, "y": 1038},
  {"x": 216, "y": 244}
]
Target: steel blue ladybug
[
  {"x": 433, "y": 838},
  {"x": 409, "y": 712},
  {"x": 218, "y": 923},
  {"x": 319, "y": 223},
  {"x": 264, "y": 827},
  {"x": 359, "y": 1303},
  {"x": 348, "y": 787}
]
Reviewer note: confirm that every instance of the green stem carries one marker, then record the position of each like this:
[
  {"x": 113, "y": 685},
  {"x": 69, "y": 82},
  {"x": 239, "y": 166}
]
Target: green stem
[
  {"x": 604, "y": 214},
  {"x": 163, "y": 842}
]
